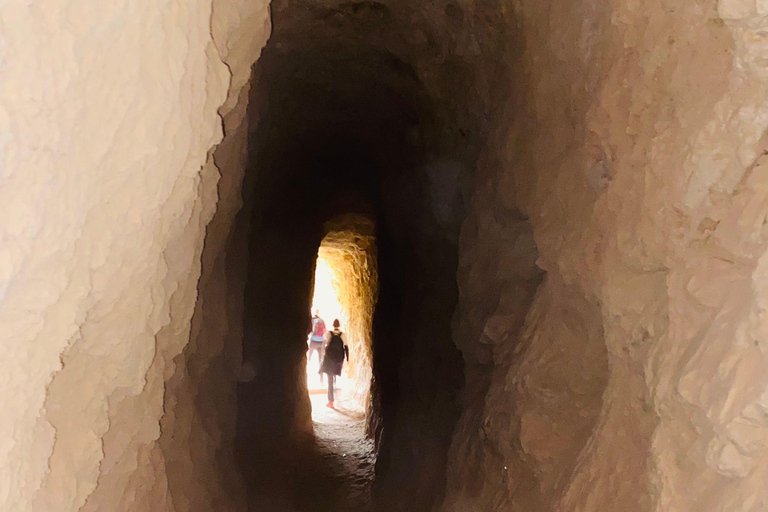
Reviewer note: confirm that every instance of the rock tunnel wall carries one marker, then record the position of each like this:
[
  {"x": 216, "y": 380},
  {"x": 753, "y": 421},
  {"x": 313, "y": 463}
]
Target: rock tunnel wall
[
  {"x": 110, "y": 118},
  {"x": 581, "y": 184},
  {"x": 632, "y": 151}
]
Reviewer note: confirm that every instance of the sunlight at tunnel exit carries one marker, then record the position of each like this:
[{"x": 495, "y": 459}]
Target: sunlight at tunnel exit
[{"x": 325, "y": 298}]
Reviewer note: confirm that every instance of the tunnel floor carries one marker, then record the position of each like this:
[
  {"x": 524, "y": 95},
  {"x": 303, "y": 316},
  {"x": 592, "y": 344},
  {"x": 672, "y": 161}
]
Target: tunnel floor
[
  {"x": 332, "y": 473},
  {"x": 347, "y": 456}
]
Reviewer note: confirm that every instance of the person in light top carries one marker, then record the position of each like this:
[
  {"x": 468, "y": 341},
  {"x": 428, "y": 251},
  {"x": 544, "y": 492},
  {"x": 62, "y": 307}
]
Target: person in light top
[{"x": 317, "y": 341}]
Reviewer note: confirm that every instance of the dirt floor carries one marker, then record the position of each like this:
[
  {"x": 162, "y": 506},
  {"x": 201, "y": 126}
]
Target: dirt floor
[
  {"x": 332, "y": 473},
  {"x": 343, "y": 446}
]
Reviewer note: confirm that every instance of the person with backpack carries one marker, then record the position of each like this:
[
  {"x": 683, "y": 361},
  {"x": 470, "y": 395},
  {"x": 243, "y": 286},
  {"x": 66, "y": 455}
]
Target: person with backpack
[
  {"x": 317, "y": 342},
  {"x": 336, "y": 351}
]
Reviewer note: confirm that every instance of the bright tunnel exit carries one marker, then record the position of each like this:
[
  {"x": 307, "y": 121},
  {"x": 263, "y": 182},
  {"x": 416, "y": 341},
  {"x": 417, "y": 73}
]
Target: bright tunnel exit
[
  {"x": 345, "y": 289},
  {"x": 325, "y": 298},
  {"x": 326, "y": 308}
]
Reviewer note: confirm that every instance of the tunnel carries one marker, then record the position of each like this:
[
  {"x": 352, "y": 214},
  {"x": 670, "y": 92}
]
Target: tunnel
[{"x": 546, "y": 223}]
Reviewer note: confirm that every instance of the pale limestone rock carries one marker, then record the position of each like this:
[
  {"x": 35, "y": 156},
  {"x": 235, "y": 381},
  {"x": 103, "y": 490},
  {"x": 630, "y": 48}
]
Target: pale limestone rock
[
  {"x": 736, "y": 9},
  {"x": 109, "y": 113}
]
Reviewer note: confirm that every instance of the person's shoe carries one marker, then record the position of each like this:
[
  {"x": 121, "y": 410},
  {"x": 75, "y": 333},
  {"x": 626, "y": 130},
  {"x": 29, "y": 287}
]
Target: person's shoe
[{"x": 329, "y": 404}]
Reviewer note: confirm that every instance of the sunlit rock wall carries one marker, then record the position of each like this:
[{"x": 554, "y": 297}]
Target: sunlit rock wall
[
  {"x": 632, "y": 150},
  {"x": 109, "y": 113}
]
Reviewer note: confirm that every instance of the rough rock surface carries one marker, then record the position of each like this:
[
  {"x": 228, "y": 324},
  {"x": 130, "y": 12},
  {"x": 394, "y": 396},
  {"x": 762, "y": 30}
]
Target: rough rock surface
[
  {"x": 633, "y": 142},
  {"x": 571, "y": 211},
  {"x": 110, "y": 115}
]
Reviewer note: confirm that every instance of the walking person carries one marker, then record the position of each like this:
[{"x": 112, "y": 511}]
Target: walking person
[
  {"x": 336, "y": 351},
  {"x": 317, "y": 342}
]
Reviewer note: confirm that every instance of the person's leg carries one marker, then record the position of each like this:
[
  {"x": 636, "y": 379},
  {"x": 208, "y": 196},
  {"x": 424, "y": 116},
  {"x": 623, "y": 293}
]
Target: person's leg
[
  {"x": 320, "y": 366},
  {"x": 320, "y": 354},
  {"x": 330, "y": 390}
]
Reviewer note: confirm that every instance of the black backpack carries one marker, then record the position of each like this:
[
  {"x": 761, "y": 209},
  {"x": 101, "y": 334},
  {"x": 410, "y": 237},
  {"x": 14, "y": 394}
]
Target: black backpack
[{"x": 335, "y": 349}]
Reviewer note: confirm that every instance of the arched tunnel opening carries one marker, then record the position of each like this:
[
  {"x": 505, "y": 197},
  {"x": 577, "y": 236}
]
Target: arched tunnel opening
[
  {"x": 345, "y": 127},
  {"x": 546, "y": 219},
  {"x": 345, "y": 289}
]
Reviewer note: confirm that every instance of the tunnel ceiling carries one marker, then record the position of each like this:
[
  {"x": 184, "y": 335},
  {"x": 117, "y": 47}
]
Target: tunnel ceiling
[
  {"x": 355, "y": 95},
  {"x": 342, "y": 114},
  {"x": 378, "y": 81}
]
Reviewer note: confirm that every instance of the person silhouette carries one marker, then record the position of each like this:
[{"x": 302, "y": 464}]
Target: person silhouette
[{"x": 335, "y": 351}]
